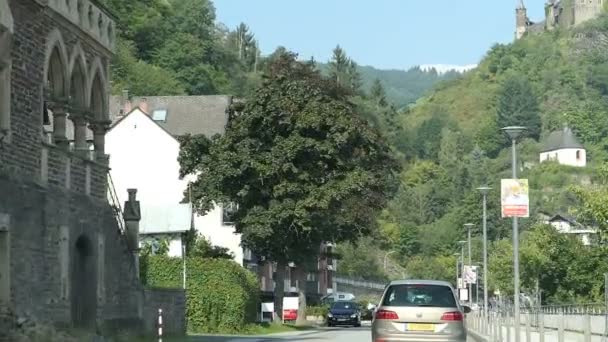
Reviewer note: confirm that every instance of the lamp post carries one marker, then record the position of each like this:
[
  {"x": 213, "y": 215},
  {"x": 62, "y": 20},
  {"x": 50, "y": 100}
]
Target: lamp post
[
  {"x": 484, "y": 191},
  {"x": 514, "y": 132},
  {"x": 469, "y": 226}
]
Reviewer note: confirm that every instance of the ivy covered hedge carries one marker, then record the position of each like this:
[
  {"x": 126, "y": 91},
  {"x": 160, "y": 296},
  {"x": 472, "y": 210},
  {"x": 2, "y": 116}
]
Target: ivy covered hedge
[{"x": 222, "y": 297}]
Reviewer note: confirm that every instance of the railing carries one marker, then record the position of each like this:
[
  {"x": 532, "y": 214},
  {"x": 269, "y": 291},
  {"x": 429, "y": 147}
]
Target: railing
[
  {"x": 361, "y": 283},
  {"x": 115, "y": 204},
  {"x": 584, "y": 323}
]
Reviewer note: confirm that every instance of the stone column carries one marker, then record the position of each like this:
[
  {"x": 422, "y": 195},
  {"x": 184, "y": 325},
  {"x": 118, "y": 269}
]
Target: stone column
[
  {"x": 132, "y": 216},
  {"x": 99, "y": 129},
  {"x": 59, "y": 109},
  {"x": 79, "y": 118}
]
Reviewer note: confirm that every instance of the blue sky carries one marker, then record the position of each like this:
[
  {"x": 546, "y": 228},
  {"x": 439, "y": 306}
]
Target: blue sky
[{"x": 382, "y": 33}]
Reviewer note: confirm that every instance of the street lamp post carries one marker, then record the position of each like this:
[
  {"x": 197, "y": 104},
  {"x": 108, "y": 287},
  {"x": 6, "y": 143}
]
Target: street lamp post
[
  {"x": 469, "y": 226},
  {"x": 514, "y": 132},
  {"x": 484, "y": 191}
]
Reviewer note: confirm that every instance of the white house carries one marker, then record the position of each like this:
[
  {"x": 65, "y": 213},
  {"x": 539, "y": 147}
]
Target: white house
[
  {"x": 568, "y": 225},
  {"x": 143, "y": 148},
  {"x": 563, "y": 146}
]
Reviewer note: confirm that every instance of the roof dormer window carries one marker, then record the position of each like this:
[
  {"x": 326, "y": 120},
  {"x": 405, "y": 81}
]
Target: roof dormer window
[{"x": 159, "y": 115}]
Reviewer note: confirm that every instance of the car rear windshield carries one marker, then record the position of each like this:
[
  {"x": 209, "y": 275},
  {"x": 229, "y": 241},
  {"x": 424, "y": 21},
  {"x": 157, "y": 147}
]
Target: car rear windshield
[
  {"x": 419, "y": 295},
  {"x": 344, "y": 306}
]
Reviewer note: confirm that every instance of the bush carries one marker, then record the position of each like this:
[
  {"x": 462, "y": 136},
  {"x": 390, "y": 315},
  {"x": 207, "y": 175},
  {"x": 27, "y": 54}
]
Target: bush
[
  {"x": 317, "y": 311},
  {"x": 222, "y": 297}
]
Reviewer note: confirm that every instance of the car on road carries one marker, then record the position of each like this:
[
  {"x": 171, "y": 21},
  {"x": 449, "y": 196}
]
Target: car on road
[
  {"x": 344, "y": 313},
  {"x": 419, "y": 310}
]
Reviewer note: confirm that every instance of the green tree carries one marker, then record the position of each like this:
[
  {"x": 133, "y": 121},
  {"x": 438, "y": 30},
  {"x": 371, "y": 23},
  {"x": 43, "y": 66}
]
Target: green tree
[
  {"x": 339, "y": 67},
  {"x": 299, "y": 163},
  {"x": 140, "y": 77},
  {"x": 378, "y": 94},
  {"x": 518, "y": 106}
]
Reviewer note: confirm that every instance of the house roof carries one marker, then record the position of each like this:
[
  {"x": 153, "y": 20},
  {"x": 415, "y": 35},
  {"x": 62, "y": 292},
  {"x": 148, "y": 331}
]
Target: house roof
[
  {"x": 119, "y": 119},
  {"x": 206, "y": 115},
  {"x": 561, "y": 139}
]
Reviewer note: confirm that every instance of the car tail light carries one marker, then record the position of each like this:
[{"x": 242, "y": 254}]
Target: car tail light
[
  {"x": 385, "y": 314},
  {"x": 452, "y": 316}
]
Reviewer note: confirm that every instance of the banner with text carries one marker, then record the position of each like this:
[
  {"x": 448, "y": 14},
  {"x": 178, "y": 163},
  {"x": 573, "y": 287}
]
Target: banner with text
[{"x": 514, "y": 198}]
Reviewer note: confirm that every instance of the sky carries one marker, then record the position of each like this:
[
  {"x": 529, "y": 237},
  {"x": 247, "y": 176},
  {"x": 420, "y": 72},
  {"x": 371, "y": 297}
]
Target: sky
[{"x": 386, "y": 34}]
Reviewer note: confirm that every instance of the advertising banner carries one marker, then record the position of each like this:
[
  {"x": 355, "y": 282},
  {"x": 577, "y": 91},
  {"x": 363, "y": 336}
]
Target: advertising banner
[{"x": 514, "y": 198}]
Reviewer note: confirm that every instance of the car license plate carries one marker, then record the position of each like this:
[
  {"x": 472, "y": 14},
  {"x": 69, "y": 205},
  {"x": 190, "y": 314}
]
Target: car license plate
[
  {"x": 420, "y": 327},
  {"x": 341, "y": 319}
]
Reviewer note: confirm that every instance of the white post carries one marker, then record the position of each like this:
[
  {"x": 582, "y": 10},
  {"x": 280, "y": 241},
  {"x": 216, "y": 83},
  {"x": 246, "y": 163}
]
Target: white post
[
  {"x": 541, "y": 326},
  {"x": 560, "y": 332},
  {"x": 528, "y": 327},
  {"x": 587, "y": 327},
  {"x": 160, "y": 325}
]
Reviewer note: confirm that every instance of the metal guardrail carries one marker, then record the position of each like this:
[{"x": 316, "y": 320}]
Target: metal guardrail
[{"x": 361, "y": 283}]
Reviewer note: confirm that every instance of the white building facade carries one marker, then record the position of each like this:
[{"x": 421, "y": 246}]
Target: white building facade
[
  {"x": 563, "y": 147},
  {"x": 144, "y": 155}
]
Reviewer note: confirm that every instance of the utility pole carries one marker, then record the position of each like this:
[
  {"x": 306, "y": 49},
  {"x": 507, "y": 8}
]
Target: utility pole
[
  {"x": 469, "y": 286},
  {"x": 514, "y": 132},
  {"x": 484, "y": 191}
]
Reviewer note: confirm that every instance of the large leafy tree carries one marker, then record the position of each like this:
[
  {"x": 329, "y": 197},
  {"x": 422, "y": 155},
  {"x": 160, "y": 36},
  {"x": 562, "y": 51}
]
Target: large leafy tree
[{"x": 299, "y": 162}]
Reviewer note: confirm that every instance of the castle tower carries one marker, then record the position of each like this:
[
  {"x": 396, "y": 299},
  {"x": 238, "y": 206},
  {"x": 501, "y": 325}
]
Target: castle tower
[
  {"x": 587, "y": 9},
  {"x": 521, "y": 23}
]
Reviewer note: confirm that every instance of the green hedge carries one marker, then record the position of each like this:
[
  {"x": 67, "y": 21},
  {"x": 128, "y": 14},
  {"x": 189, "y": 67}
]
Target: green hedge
[
  {"x": 317, "y": 311},
  {"x": 222, "y": 297}
]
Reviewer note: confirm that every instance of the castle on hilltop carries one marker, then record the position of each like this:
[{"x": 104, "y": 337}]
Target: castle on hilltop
[{"x": 558, "y": 13}]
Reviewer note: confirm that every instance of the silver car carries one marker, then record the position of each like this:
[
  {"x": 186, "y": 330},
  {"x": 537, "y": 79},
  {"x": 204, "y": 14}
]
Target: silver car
[{"x": 419, "y": 310}]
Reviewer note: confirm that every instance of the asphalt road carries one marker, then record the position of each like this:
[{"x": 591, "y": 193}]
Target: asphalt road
[{"x": 346, "y": 334}]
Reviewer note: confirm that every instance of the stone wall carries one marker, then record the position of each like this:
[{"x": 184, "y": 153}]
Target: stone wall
[
  {"x": 37, "y": 216},
  {"x": 173, "y": 305}
]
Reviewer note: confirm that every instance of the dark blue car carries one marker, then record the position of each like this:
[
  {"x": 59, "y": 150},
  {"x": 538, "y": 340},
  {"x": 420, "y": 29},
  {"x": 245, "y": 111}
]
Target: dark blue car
[{"x": 344, "y": 313}]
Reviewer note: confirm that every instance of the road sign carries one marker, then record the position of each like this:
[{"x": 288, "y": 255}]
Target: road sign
[
  {"x": 470, "y": 274},
  {"x": 515, "y": 201},
  {"x": 463, "y": 295}
]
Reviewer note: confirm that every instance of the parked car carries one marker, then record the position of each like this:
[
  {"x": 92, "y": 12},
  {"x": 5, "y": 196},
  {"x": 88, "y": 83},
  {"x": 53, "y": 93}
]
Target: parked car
[
  {"x": 419, "y": 310},
  {"x": 344, "y": 313}
]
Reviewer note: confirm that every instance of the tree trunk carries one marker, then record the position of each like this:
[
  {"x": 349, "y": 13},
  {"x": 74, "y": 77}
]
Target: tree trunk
[
  {"x": 279, "y": 291},
  {"x": 301, "y": 276}
]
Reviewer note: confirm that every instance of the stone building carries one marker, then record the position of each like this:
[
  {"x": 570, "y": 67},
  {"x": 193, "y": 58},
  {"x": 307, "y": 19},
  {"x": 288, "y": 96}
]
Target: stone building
[
  {"x": 558, "y": 14},
  {"x": 64, "y": 256}
]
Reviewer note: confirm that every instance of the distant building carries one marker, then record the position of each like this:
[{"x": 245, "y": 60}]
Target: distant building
[
  {"x": 568, "y": 225},
  {"x": 563, "y": 146},
  {"x": 558, "y": 13}
]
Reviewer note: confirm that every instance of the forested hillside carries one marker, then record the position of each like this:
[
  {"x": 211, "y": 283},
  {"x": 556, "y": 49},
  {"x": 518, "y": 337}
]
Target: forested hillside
[
  {"x": 403, "y": 87},
  {"x": 449, "y": 141},
  {"x": 453, "y": 145}
]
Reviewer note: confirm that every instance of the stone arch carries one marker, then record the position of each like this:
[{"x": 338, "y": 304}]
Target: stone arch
[
  {"x": 97, "y": 91},
  {"x": 77, "y": 70},
  {"x": 84, "y": 283},
  {"x": 56, "y": 64},
  {"x": 56, "y": 88}
]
